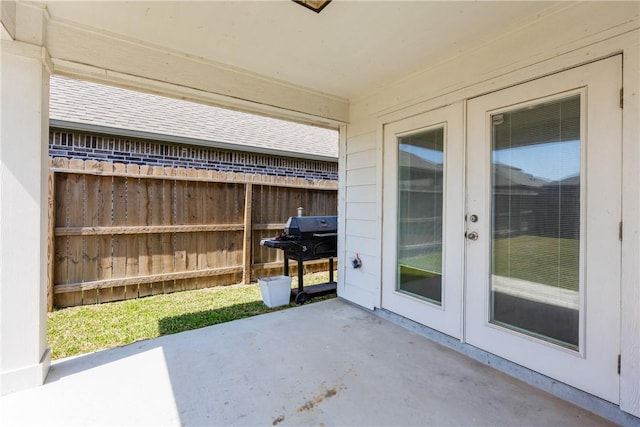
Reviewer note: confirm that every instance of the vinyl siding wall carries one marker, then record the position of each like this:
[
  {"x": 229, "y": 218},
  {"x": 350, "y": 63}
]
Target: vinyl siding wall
[{"x": 361, "y": 219}]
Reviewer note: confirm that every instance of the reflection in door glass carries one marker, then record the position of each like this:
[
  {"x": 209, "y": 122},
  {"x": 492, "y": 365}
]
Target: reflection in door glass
[
  {"x": 420, "y": 185},
  {"x": 535, "y": 268}
]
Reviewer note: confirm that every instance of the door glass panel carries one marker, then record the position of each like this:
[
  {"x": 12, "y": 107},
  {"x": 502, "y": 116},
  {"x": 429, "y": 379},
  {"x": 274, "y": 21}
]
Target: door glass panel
[
  {"x": 535, "y": 266},
  {"x": 420, "y": 192}
]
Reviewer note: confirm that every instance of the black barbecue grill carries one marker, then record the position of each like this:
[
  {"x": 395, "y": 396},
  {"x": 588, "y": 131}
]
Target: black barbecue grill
[{"x": 307, "y": 238}]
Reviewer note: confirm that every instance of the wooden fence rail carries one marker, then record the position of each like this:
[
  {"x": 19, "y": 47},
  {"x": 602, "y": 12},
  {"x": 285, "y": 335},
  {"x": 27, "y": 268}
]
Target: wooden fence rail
[{"x": 125, "y": 231}]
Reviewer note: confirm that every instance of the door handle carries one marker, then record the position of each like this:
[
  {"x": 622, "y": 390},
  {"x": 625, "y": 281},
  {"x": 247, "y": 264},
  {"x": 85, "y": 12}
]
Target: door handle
[{"x": 472, "y": 235}]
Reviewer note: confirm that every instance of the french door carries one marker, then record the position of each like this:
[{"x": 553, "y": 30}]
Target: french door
[
  {"x": 510, "y": 241},
  {"x": 424, "y": 218},
  {"x": 543, "y": 249}
]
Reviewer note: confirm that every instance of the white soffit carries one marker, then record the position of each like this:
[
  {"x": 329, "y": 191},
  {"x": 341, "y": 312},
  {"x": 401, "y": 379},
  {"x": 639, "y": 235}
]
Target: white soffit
[{"x": 348, "y": 50}]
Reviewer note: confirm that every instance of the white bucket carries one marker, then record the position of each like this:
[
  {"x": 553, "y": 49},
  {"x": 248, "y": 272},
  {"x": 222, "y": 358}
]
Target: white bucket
[{"x": 276, "y": 291}]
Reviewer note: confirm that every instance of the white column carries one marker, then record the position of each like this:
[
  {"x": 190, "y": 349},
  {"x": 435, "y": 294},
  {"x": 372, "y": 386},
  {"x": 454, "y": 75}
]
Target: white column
[{"x": 24, "y": 128}]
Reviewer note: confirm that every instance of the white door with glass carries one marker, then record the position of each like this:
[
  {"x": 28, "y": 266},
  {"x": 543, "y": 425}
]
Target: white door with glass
[
  {"x": 512, "y": 243},
  {"x": 543, "y": 216},
  {"x": 424, "y": 218}
]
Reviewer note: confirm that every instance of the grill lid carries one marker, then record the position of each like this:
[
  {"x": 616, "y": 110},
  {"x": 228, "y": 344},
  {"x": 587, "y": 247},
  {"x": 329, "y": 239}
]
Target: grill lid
[{"x": 304, "y": 227}]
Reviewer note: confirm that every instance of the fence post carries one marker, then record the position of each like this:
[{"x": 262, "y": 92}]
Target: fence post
[
  {"x": 248, "y": 226},
  {"x": 51, "y": 249}
]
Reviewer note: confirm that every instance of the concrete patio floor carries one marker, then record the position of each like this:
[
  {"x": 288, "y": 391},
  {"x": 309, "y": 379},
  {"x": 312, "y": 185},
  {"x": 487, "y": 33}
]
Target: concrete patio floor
[{"x": 328, "y": 363}]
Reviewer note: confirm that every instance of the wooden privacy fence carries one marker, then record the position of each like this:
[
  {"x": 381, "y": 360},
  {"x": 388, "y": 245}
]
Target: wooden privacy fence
[{"x": 125, "y": 231}]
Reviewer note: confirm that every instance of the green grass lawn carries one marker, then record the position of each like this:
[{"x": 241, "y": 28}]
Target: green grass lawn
[
  {"x": 546, "y": 260},
  {"x": 78, "y": 330},
  {"x": 431, "y": 261}
]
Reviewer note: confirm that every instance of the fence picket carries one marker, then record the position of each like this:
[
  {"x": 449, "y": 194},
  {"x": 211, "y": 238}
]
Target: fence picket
[
  {"x": 119, "y": 219},
  {"x": 145, "y": 249},
  {"x": 90, "y": 251},
  {"x": 133, "y": 242},
  {"x": 180, "y": 253},
  {"x": 191, "y": 217},
  {"x": 61, "y": 243},
  {"x": 168, "y": 242}
]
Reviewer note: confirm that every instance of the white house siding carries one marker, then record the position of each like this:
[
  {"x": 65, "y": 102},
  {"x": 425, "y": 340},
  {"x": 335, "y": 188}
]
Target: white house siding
[
  {"x": 578, "y": 34},
  {"x": 361, "y": 218}
]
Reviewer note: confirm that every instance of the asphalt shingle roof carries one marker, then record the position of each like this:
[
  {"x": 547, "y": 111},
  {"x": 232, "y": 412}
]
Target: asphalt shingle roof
[{"x": 101, "y": 106}]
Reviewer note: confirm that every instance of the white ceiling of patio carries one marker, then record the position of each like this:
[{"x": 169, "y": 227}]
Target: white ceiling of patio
[{"x": 347, "y": 50}]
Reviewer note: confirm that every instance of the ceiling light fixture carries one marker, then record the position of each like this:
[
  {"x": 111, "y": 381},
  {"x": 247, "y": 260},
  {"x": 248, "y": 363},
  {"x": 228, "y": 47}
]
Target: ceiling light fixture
[{"x": 315, "y": 5}]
